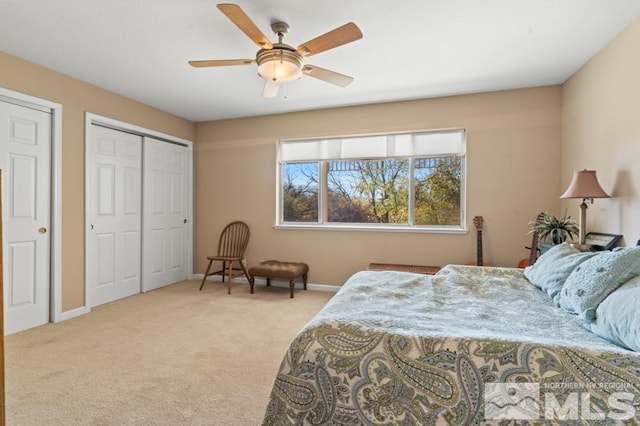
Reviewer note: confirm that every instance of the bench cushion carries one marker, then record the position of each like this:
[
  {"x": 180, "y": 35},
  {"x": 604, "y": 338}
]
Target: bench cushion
[{"x": 278, "y": 269}]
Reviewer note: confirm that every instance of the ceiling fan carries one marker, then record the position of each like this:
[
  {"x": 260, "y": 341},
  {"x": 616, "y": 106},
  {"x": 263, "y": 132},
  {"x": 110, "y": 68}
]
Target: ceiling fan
[{"x": 279, "y": 62}]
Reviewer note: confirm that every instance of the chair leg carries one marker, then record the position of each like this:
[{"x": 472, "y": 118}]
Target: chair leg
[
  {"x": 247, "y": 276},
  {"x": 304, "y": 279},
  {"x": 206, "y": 274},
  {"x": 224, "y": 264}
]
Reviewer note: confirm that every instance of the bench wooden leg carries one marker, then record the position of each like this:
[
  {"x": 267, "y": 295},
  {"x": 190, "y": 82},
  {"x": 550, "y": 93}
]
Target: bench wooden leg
[
  {"x": 304, "y": 280},
  {"x": 292, "y": 284}
]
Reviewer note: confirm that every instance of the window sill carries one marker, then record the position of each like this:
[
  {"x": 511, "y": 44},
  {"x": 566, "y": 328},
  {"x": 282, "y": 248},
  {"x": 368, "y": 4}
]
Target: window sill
[{"x": 368, "y": 228}]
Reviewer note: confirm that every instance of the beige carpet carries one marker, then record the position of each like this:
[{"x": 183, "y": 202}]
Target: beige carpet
[{"x": 173, "y": 356}]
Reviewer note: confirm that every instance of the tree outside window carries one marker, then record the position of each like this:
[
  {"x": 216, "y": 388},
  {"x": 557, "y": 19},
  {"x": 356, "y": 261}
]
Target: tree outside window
[
  {"x": 300, "y": 192},
  {"x": 375, "y": 191}
]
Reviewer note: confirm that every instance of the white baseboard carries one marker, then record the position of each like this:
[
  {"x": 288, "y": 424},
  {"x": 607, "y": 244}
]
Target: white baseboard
[
  {"x": 240, "y": 280},
  {"x": 73, "y": 313},
  {"x": 274, "y": 283}
]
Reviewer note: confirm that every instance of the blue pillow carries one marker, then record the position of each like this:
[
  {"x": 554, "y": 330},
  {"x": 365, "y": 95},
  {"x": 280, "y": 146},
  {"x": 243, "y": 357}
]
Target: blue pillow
[
  {"x": 618, "y": 318},
  {"x": 592, "y": 281},
  {"x": 552, "y": 268}
]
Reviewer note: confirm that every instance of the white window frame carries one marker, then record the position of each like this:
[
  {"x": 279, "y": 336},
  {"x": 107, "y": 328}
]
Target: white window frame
[{"x": 328, "y": 153}]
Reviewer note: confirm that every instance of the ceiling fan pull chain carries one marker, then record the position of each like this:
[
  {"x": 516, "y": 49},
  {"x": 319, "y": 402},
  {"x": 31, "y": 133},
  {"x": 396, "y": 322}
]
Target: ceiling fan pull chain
[{"x": 275, "y": 70}]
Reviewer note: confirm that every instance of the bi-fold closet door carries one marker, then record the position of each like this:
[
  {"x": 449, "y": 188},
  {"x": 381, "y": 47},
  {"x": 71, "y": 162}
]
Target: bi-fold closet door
[{"x": 137, "y": 198}]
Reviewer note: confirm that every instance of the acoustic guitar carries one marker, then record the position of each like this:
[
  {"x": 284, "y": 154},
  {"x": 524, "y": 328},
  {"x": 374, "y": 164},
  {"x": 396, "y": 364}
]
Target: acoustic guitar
[
  {"x": 533, "y": 254},
  {"x": 478, "y": 222}
]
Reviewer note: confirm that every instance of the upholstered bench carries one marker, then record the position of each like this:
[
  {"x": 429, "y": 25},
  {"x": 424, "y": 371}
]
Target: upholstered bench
[{"x": 283, "y": 270}]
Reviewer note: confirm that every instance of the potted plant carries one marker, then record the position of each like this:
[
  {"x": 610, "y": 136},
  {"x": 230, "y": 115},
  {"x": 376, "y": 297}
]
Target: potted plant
[{"x": 553, "y": 228}]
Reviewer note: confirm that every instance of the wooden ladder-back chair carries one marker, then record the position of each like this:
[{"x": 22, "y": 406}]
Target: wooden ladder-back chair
[{"x": 231, "y": 247}]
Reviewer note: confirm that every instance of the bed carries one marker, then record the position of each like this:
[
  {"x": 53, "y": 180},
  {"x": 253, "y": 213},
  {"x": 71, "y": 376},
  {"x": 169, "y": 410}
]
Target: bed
[{"x": 469, "y": 345}]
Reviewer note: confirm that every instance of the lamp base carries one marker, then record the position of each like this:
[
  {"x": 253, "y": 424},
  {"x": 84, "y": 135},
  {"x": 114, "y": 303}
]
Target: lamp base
[{"x": 583, "y": 221}]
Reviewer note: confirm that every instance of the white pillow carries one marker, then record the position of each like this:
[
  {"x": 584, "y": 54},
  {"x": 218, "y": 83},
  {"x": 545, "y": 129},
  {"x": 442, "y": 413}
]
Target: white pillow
[
  {"x": 618, "y": 318},
  {"x": 593, "y": 280},
  {"x": 552, "y": 268}
]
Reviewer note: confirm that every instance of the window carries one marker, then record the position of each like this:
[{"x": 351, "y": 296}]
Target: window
[{"x": 397, "y": 181}]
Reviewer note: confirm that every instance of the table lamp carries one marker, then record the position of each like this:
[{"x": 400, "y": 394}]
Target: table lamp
[{"x": 584, "y": 184}]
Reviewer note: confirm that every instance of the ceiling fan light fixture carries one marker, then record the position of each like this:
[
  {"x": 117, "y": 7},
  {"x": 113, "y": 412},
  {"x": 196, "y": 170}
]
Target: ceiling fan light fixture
[{"x": 279, "y": 65}]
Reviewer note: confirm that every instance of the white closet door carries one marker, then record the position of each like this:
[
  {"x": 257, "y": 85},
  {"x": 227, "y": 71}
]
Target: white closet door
[
  {"x": 165, "y": 213},
  {"x": 25, "y": 159},
  {"x": 114, "y": 184}
]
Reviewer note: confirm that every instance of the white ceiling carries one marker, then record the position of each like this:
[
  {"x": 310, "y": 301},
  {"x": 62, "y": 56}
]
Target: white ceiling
[{"x": 411, "y": 48}]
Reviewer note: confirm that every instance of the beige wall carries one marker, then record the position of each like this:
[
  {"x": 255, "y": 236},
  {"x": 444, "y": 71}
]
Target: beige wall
[
  {"x": 513, "y": 163},
  {"x": 601, "y": 131},
  {"x": 523, "y": 146},
  {"x": 77, "y": 98}
]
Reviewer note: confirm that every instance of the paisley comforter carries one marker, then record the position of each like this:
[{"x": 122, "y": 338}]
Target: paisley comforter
[{"x": 469, "y": 345}]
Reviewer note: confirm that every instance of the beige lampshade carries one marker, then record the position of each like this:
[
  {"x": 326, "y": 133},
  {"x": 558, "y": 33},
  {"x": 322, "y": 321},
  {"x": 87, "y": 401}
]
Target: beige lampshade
[{"x": 584, "y": 184}]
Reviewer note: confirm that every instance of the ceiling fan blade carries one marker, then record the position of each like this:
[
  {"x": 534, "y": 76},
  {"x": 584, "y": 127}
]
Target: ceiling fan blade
[
  {"x": 270, "y": 89},
  {"x": 246, "y": 25},
  {"x": 327, "y": 75},
  {"x": 341, "y": 35},
  {"x": 221, "y": 62}
]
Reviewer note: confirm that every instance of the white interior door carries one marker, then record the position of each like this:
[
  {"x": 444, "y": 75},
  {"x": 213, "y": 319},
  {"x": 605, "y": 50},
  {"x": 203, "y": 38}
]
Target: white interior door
[
  {"x": 25, "y": 158},
  {"x": 114, "y": 184},
  {"x": 165, "y": 213}
]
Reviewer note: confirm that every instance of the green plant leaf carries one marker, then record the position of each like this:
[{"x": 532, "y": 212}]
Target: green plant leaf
[{"x": 548, "y": 223}]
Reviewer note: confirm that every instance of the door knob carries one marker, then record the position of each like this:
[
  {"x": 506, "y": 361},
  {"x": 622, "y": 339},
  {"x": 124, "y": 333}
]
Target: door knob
[{"x": 42, "y": 230}]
